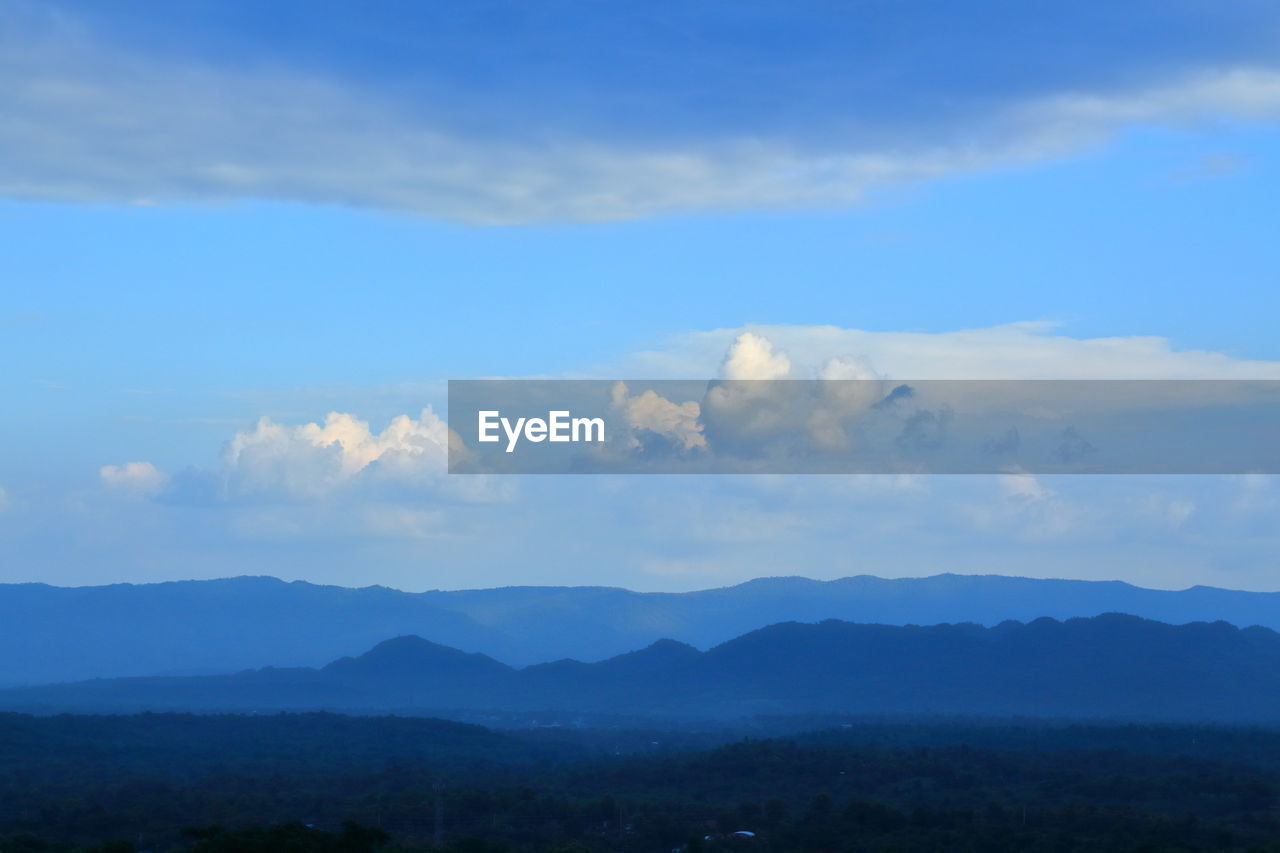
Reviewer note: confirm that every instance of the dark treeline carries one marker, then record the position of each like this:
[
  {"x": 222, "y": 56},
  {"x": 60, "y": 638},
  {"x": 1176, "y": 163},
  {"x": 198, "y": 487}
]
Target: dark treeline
[{"x": 319, "y": 782}]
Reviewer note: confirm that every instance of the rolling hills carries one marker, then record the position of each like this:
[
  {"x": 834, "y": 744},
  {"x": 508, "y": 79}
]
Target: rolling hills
[
  {"x": 51, "y": 634},
  {"x": 1111, "y": 666}
]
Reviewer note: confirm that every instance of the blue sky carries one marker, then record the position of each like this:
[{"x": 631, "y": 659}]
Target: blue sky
[{"x": 219, "y": 212}]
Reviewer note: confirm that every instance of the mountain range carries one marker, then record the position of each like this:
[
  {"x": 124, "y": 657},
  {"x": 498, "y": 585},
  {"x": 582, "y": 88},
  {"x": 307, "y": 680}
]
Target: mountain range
[
  {"x": 1109, "y": 666},
  {"x": 51, "y": 634}
]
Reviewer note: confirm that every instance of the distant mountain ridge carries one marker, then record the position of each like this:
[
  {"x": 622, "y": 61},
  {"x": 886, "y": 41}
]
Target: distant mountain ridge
[
  {"x": 50, "y": 634},
  {"x": 1109, "y": 666}
]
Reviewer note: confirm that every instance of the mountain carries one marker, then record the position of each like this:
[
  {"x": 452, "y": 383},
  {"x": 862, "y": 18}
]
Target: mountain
[
  {"x": 50, "y": 634},
  {"x": 1109, "y": 666},
  {"x": 196, "y": 627}
]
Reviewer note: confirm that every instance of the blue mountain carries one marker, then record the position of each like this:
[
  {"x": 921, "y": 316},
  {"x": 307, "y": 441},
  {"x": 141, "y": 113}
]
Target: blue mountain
[
  {"x": 50, "y": 634},
  {"x": 1111, "y": 666}
]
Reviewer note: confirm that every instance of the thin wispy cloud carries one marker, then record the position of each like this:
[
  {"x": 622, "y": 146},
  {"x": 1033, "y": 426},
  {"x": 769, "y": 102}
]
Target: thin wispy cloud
[
  {"x": 559, "y": 129},
  {"x": 1030, "y": 350}
]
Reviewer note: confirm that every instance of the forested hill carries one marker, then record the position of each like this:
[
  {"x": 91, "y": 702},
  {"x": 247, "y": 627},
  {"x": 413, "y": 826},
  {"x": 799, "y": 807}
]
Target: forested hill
[
  {"x": 1110, "y": 666},
  {"x": 50, "y": 634}
]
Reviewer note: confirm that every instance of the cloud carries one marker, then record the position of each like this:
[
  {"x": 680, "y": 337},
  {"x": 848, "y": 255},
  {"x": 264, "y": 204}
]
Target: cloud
[
  {"x": 135, "y": 478},
  {"x": 340, "y": 458},
  {"x": 1165, "y": 511},
  {"x": 1255, "y": 495},
  {"x": 331, "y": 481},
  {"x": 752, "y": 356},
  {"x": 1028, "y": 510},
  {"x": 84, "y": 118},
  {"x": 5, "y": 501},
  {"x": 314, "y": 459},
  {"x": 763, "y": 415},
  {"x": 1029, "y": 350},
  {"x": 847, "y": 367},
  {"x": 677, "y": 422},
  {"x": 1023, "y": 487},
  {"x": 758, "y": 421},
  {"x": 343, "y": 501}
]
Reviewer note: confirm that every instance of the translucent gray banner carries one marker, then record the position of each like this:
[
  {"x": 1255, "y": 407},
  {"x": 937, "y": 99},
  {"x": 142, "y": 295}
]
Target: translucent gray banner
[{"x": 859, "y": 426}]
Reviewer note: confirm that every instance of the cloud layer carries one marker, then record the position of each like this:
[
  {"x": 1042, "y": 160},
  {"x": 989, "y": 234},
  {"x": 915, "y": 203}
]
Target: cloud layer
[
  {"x": 1015, "y": 351},
  {"x": 338, "y": 500},
  {"x": 707, "y": 113}
]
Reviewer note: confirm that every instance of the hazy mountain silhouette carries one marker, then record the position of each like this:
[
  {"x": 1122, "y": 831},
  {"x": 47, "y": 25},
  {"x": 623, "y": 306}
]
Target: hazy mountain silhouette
[
  {"x": 52, "y": 634},
  {"x": 57, "y": 633},
  {"x": 1107, "y": 666}
]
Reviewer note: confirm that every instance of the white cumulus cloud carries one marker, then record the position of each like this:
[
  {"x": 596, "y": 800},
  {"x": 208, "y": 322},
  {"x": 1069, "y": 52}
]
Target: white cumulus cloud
[
  {"x": 654, "y": 413},
  {"x": 752, "y": 356},
  {"x": 313, "y": 459},
  {"x": 137, "y": 478}
]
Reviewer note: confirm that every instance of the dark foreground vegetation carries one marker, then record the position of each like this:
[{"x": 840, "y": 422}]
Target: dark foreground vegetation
[{"x": 320, "y": 782}]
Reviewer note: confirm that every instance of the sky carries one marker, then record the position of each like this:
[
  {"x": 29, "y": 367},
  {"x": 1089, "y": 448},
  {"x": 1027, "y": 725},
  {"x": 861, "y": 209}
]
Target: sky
[{"x": 243, "y": 247}]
